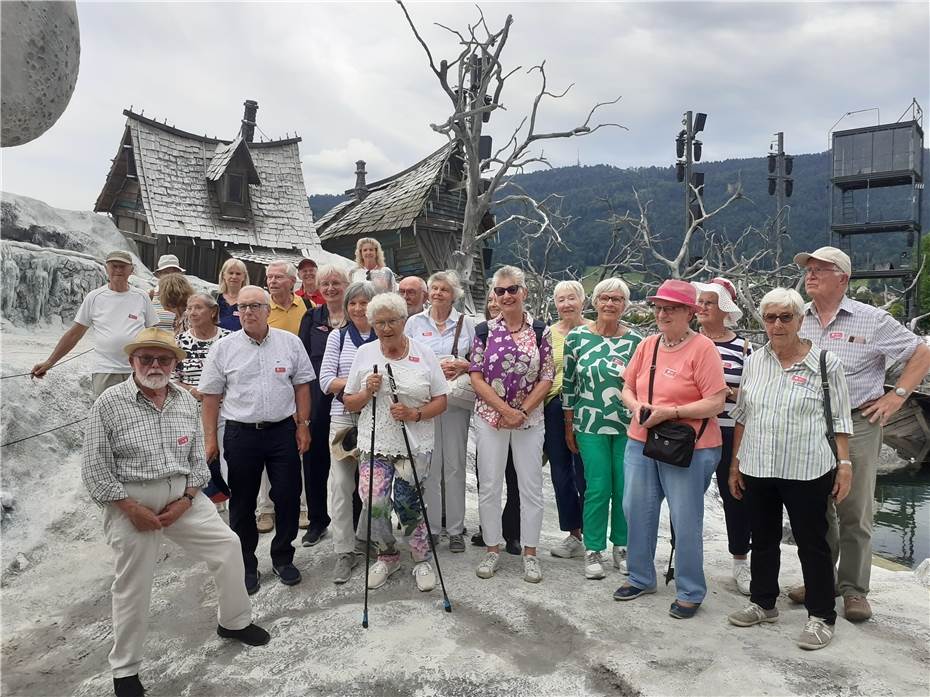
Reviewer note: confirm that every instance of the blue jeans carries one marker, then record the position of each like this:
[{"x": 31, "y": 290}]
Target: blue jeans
[
  {"x": 646, "y": 483},
  {"x": 566, "y": 468}
]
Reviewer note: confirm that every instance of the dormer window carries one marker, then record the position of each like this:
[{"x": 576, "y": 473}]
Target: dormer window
[
  {"x": 235, "y": 187},
  {"x": 231, "y": 172},
  {"x": 233, "y": 190}
]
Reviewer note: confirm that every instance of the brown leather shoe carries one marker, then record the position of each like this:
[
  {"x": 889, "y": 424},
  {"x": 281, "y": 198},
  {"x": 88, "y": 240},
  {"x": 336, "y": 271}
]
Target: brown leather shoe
[
  {"x": 856, "y": 608},
  {"x": 797, "y": 595},
  {"x": 265, "y": 522}
]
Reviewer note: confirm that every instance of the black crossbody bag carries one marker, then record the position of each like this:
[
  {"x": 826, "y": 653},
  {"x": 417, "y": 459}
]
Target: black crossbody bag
[{"x": 670, "y": 442}]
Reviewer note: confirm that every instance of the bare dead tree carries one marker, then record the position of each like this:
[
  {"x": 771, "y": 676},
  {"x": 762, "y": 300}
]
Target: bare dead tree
[{"x": 474, "y": 82}]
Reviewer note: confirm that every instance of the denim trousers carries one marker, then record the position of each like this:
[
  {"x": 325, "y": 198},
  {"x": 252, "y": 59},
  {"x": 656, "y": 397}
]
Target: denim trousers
[
  {"x": 566, "y": 468},
  {"x": 646, "y": 483}
]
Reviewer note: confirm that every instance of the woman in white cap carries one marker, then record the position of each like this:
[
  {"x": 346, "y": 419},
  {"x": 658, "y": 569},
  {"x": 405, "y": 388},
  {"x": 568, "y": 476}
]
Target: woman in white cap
[{"x": 717, "y": 314}]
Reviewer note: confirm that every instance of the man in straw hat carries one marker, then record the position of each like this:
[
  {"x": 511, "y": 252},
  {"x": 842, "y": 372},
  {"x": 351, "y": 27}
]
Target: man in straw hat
[
  {"x": 143, "y": 462},
  {"x": 867, "y": 340}
]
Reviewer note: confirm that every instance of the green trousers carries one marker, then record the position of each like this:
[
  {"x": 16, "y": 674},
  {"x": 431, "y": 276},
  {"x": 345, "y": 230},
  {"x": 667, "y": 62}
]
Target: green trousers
[{"x": 603, "y": 474}]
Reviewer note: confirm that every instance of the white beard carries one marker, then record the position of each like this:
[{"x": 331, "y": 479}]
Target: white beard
[{"x": 153, "y": 382}]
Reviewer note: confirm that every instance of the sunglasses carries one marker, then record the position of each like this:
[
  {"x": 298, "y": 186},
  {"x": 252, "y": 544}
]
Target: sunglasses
[
  {"x": 513, "y": 290},
  {"x": 784, "y": 318},
  {"x": 163, "y": 361}
]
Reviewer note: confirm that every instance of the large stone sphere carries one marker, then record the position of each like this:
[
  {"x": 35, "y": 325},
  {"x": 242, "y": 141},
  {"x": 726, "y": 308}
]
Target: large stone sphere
[{"x": 40, "y": 53}]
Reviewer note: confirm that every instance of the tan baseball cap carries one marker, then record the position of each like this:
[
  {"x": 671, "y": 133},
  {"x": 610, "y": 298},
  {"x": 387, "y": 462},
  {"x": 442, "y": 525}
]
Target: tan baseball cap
[
  {"x": 120, "y": 256},
  {"x": 828, "y": 255},
  {"x": 153, "y": 337}
]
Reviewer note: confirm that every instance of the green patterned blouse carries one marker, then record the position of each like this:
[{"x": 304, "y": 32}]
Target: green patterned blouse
[{"x": 593, "y": 380}]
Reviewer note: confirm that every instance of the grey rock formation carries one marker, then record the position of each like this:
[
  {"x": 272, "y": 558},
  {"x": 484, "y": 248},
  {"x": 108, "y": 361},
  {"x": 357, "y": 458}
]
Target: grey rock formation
[{"x": 41, "y": 52}]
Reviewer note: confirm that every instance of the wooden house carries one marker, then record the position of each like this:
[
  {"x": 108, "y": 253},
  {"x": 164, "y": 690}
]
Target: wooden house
[
  {"x": 415, "y": 214},
  {"x": 206, "y": 199}
]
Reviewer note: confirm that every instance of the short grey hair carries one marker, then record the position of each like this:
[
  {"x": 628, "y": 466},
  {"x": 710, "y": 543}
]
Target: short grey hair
[
  {"x": 609, "y": 285},
  {"x": 386, "y": 302},
  {"x": 510, "y": 272},
  {"x": 569, "y": 287},
  {"x": 451, "y": 279},
  {"x": 327, "y": 270},
  {"x": 289, "y": 268},
  {"x": 363, "y": 288},
  {"x": 207, "y": 298},
  {"x": 265, "y": 293},
  {"x": 785, "y": 297}
]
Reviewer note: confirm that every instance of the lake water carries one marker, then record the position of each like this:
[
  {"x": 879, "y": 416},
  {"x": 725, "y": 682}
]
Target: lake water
[{"x": 901, "y": 529}]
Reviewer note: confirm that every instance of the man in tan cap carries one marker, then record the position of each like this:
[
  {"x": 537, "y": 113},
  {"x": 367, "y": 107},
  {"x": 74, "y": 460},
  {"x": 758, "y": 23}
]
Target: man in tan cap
[
  {"x": 117, "y": 312},
  {"x": 143, "y": 462},
  {"x": 867, "y": 340}
]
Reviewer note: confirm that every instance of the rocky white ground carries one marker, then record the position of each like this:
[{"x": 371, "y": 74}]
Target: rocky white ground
[{"x": 565, "y": 636}]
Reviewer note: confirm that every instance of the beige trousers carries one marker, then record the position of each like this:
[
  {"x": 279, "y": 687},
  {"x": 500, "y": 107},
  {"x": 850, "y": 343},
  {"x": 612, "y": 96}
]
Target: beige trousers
[
  {"x": 101, "y": 381},
  {"x": 200, "y": 532},
  {"x": 849, "y": 531}
]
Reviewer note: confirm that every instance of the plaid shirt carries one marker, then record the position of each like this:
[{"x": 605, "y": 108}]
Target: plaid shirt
[{"x": 128, "y": 440}]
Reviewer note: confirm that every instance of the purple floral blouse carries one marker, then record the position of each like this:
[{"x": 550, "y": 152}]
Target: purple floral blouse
[{"x": 512, "y": 365}]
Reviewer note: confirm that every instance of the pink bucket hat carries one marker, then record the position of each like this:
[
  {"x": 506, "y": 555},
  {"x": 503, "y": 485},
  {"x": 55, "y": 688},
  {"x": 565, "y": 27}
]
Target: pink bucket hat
[{"x": 676, "y": 291}]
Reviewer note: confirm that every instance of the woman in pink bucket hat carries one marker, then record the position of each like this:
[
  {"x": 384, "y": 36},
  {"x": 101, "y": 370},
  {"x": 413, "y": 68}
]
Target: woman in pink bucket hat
[{"x": 686, "y": 386}]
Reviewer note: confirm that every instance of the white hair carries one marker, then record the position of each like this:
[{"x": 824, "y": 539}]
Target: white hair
[
  {"x": 327, "y": 270},
  {"x": 510, "y": 272},
  {"x": 289, "y": 268},
  {"x": 363, "y": 288},
  {"x": 609, "y": 285},
  {"x": 451, "y": 279},
  {"x": 421, "y": 283},
  {"x": 386, "y": 302},
  {"x": 785, "y": 297},
  {"x": 264, "y": 293},
  {"x": 569, "y": 287}
]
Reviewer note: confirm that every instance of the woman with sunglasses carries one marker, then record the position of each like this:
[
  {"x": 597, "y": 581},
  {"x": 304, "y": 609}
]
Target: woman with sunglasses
[
  {"x": 716, "y": 314},
  {"x": 686, "y": 386},
  {"x": 783, "y": 459},
  {"x": 511, "y": 371}
]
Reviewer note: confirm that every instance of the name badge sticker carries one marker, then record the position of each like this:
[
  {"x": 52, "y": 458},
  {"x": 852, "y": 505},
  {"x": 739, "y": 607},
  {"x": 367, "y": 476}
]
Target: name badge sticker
[
  {"x": 235, "y": 313},
  {"x": 414, "y": 359},
  {"x": 427, "y": 333},
  {"x": 727, "y": 365},
  {"x": 322, "y": 328},
  {"x": 799, "y": 379},
  {"x": 183, "y": 440},
  {"x": 670, "y": 372},
  {"x": 133, "y": 317},
  {"x": 280, "y": 369},
  {"x": 837, "y": 335}
]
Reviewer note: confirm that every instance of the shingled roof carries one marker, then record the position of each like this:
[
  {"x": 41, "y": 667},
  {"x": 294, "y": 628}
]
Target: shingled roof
[
  {"x": 391, "y": 204},
  {"x": 173, "y": 167}
]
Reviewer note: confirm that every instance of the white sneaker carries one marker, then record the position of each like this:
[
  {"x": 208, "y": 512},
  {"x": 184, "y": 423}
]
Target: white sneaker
[
  {"x": 532, "y": 573},
  {"x": 380, "y": 571},
  {"x": 742, "y": 575},
  {"x": 488, "y": 565},
  {"x": 619, "y": 554},
  {"x": 816, "y": 634},
  {"x": 570, "y": 547},
  {"x": 593, "y": 566},
  {"x": 424, "y": 575}
]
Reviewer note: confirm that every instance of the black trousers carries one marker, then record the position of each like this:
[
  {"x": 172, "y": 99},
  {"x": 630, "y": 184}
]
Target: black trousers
[
  {"x": 316, "y": 465},
  {"x": 806, "y": 503},
  {"x": 510, "y": 516},
  {"x": 249, "y": 452},
  {"x": 735, "y": 511}
]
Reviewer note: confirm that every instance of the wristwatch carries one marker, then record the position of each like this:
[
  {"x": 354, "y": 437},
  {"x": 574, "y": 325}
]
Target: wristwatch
[
  {"x": 901, "y": 392},
  {"x": 305, "y": 422},
  {"x": 187, "y": 496}
]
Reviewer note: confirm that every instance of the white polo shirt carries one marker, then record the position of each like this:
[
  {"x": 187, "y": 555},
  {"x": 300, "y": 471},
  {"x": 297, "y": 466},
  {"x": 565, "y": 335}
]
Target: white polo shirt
[
  {"x": 256, "y": 379},
  {"x": 116, "y": 318}
]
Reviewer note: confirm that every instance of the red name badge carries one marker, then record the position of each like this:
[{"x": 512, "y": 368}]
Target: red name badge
[
  {"x": 617, "y": 361},
  {"x": 183, "y": 440},
  {"x": 414, "y": 359},
  {"x": 133, "y": 317},
  {"x": 427, "y": 333},
  {"x": 836, "y": 335},
  {"x": 670, "y": 372},
  {"x": 235, "y": 313},
  {"x": 727, "y": 364},
  {"x": 280, "y": 369},
  {"x": 322, "y": 328},
  {"x": 799, "y": 379}
]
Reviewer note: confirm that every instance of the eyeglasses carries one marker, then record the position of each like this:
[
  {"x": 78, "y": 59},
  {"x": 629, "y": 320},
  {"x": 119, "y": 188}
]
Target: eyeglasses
[
  {"x": 667, "y": 309},
  {"x": 615, "y": 299},
  {"x": 385, "y": 323},
  {"x": 251, "y": 307},
  {"x": 784, "y": 318},
  {"x": 163, "y": 361},
  {"x": 707, "y": 303},
  {"x": 513, "y": 290},
  {"x": 820, "y": 271}
]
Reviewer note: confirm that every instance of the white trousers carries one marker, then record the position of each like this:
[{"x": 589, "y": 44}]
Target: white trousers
[
  {"x": 526, "y": 445},
  {"x": 200, "y": 532},
  {"x": 341, "y": 487},
  {"x": 450, "y": 447}
]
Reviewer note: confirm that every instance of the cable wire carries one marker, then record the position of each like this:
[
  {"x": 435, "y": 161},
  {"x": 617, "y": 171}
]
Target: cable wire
[
  {"x": 63, "y": 360},
  {"x": 36, "y": 435}
]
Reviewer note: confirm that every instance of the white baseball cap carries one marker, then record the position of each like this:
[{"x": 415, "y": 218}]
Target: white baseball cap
[{"x": 828, "y": 255}]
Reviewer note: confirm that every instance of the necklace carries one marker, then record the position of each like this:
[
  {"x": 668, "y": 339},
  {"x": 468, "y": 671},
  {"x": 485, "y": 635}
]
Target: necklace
[
  {"x": 673, "y": 344},
  {"x": 715, "y": 337}
]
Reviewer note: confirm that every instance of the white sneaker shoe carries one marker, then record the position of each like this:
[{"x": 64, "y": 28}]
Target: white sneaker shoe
[
  {"x": 424, "y": 575},
  {"x": 489, "y": 565},
  {"x": 570, "y": 547},
  {"x": 532, "y": 573},
  {"x": 619, "y": 554},
  {"x": 380, "y": 571},
  {"x": 742, "y": 575},
  {"x": 593, "y": 566}
]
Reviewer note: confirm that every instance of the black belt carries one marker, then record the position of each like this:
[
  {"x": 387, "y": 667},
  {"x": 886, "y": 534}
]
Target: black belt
[{"x": 262, "y": 425}]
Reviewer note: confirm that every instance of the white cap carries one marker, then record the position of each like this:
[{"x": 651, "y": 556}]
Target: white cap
[
  {"x": 828, "y": 255},
  {"x": 169, "y": 261}
]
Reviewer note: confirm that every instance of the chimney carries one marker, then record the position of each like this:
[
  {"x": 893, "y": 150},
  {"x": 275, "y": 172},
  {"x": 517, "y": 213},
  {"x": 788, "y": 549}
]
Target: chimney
[
  {"x": 361, "y": 188},
  {"x": 248, "y": 120}
]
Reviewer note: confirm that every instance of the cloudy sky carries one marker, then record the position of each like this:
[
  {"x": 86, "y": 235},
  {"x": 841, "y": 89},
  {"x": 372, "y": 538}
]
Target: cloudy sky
[{"x": 350, "y": 79}]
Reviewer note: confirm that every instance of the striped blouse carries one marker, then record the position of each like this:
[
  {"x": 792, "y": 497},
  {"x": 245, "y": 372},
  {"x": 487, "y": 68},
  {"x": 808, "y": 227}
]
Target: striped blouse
[
  {"x": 733, "y": 353},
  {"x": 337, "y": 364},
  {"x": 782, "y": 412}
]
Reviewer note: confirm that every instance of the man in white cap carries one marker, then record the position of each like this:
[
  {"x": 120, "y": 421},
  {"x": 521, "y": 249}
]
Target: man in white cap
[
  {"x": 143, "y": 463},
  {"x": 167, "y": 263},
  {"x": 867, "y": 340},
  {"x": 117, "y": 312}
]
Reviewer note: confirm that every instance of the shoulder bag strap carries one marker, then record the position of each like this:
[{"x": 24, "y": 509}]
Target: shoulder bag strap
[
  {"x": 455, "y": 340},
  {"x": 652, "y": 368},
  {"x": 827, "y": 409}
]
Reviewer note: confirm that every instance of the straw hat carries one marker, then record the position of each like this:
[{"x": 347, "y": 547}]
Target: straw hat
[
  {"x": 726, "y": 295},
  {"x": 676, "y": 291},
  {"x": 345, "y": 443},
  {"x": 153, "y": 337}
]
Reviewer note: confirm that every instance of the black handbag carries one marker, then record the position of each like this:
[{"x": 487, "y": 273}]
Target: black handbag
[{"x": 669, "y": 442}]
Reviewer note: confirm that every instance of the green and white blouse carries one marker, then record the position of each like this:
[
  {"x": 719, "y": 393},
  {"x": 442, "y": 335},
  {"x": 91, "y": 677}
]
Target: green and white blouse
[{"x": 593, "y": 380}]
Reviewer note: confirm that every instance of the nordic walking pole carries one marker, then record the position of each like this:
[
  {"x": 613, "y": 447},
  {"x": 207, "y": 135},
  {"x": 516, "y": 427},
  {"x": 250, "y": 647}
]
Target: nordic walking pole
[
  {"x": 416, "y": 481},
  {"x": 371, "y": 477}
]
